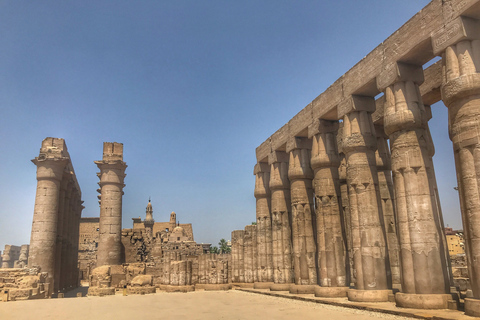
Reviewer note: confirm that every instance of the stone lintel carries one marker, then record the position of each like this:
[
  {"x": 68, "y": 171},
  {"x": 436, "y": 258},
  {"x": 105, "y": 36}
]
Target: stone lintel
[
  {"x": 278, "y": 156},
  {"x": 322, "y": 126},
  {"x": 356, "y": 103},
  {"x": 112, "y": 151},
  {"x": 298, "y": 143},
  {"x": 324, "y": 106},
  {"x": 399, "y": 71},
  {"x": 297, "y": 126},
  {"x": 261, "y": 167},
  {"x": 263, "y": 150},
  {"x": 461, "y": 28},
  {"x": 279, "y": 138}
]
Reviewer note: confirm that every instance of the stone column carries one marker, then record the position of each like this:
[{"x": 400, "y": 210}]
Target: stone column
[
  {"x": 424, "y": 269},
  {"x": 281, "y": 221},
  {"x": 368, "y": 237},
  {"x": 461, "y": 94},
  {"x": 64, "y": 249},
  {"x": 112, "y": 174},
  {"x": 61, "y": 232},
  {"x": 264, "y": 227},
  {"x": 238, "y": 256},
  {"x": 250, "y": 253},
  {"x": 325, "y": 161},
  {"x": 304, "y": 249},
  {"x": 50, "y": 164},
  {"x": 382, "y": 156},
  {"x": 342, "y": 175}
]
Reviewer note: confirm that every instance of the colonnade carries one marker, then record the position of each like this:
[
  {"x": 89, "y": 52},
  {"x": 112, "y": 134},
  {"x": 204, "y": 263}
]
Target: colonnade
[
  {"x": 56, "y": 217},
  {"x": 357, "y": 213}
]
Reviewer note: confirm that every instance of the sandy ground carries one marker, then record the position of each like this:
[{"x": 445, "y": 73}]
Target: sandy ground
[{"x": 194, "y": 305}]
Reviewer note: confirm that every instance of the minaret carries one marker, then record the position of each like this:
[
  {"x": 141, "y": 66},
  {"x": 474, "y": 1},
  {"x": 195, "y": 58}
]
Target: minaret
[{"x": 149, "y": 219}]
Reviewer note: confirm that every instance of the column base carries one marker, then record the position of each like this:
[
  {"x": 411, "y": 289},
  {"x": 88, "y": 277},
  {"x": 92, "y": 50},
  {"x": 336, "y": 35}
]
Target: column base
[
  {"x": 368, "y": 295},
  {"x": 331, "y": 292},
  {"x": 302, "y": 288},
  {"x": 243, "y": 285},
  {"x": 262, "y": 285},
  {"x": 217, "y": 287},
  {"x": 170, "y": 288},
  {"x": 422, "y": 301},
  {"x": 472, "y": 307},
  {"x": 281, "y": 286}
]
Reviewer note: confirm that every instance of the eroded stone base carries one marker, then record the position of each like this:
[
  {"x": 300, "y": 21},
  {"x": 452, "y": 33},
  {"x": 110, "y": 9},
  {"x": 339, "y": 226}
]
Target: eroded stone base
[
  {"x": 302, "y": 289},
  {"x": 368, "y": 295},
  {"x": 422, "y": 301},
  {"x": 141, "y": 290},
  {"x": 472, "y": 307},
  {"x": 262, "y": 285},
  {"x": 281, "y": 286},
  {"x": 169, "y": 288},
  {"x": 331, "y": 292},
  {"x": 97, "y": 291},
  {"x": 243, "y": 285},
  {"x": 218, "y": 287}
]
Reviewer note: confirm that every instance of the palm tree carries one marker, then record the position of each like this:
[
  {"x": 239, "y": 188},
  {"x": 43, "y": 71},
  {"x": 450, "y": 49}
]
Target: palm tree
[
  {"x": 224, "y": 248},
  {"x": 214, "y": 250}
]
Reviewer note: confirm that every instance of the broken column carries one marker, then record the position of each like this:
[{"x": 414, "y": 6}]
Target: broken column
[
  {"x": 281, "y": 213},
  {"x": 331, "y": 251},
  {"x": 112, "y": 174},
  {"x": 238, "y": 270},
  {"x": 250, "y": 253},
  {"x": 369, "y": 248},
  {"x": 461, "y": 94},
  {"x": 385, "y": 181},
  {"x": 51, "y": 163},
  {"x": 264, "y": 226},
  {"x": 304, "y": 249},
  {"x": 425, "y": 282}
]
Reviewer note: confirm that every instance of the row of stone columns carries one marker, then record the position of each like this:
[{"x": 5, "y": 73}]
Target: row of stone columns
[{"x": 56, "y": 217}]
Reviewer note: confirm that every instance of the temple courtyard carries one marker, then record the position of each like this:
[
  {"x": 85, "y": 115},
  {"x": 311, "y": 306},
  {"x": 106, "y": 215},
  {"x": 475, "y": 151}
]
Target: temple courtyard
[{"x": 233, "y": 304}]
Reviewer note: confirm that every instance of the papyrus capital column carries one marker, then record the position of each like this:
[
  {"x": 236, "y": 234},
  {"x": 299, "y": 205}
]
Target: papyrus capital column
[
  {"x": 51, "y": 164},
  {"x": 281, "y": 216},
  {"x": 369, "y": 249},
  {"x": 461, "y": 94},
  {"x": 328, "y": 210},
  {"x": 300, "y": 174},
  {"x": 112, "y": 175},
  {"x": 264, "y": 223},
  {"x": 424, "y": 267}
]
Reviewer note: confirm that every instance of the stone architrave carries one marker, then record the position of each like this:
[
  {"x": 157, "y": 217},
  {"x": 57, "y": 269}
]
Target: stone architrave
[
  {"x": 369, "y": 247},
  {"x": 51, "y": 163},
  {"x": 382, "y": 156},
  {"x": 425, "y": 277},
  {"x": 304, "y": 248},
  {"x": 329, "y": 220},
  {"x": 112, "y": 175},
  {"x": 281, "y": 217},
  {"x": 250, "y": 253},
  {"x": 264, "y": 223},
  {"x": 461, "y": 94}
]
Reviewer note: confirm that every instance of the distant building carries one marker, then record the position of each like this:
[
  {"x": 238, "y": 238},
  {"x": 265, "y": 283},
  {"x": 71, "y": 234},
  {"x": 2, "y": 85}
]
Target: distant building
[{"x": 455, "y": 241}]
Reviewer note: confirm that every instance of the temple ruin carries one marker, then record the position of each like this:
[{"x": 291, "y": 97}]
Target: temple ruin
[{"x": 346, "y": 190}]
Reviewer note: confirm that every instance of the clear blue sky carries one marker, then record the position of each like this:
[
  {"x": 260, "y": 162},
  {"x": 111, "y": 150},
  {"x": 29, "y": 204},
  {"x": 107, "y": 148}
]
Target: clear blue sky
[{"x": 190, "y": 88}]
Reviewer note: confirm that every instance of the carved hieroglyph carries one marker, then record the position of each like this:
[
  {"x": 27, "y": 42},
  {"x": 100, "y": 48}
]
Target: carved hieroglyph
[{"x": 330, "y": 238}]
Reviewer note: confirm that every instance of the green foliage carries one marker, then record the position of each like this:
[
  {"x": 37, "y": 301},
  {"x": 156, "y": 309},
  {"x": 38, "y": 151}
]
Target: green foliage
[
  {"x": 224, "y": 248},
  {"x": 254, "y": 223},
  {"x": 214, "y": 250}
]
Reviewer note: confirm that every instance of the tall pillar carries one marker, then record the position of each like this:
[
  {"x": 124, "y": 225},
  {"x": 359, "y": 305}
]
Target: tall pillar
[
  {"x": 64, "y": 249},
  {"x": 238, "y": 270},
  {"x": 50, "y": 164},
  {"x": 304, "y": 248},
  {"x": 369, "y": 248},
  {"x": 342, "y": 175},
  {"x": 281, "y": 221},
  {"x": 332, "y": 263},
  {"x": 250, "y": 253},
  {"x": 425, "y": 281},
  {"x": 461, "y": 94},
  {"x": 112, "y": 174},
  {"x": 264, "y": 226},
  {"x": 382, "y": 156}
]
